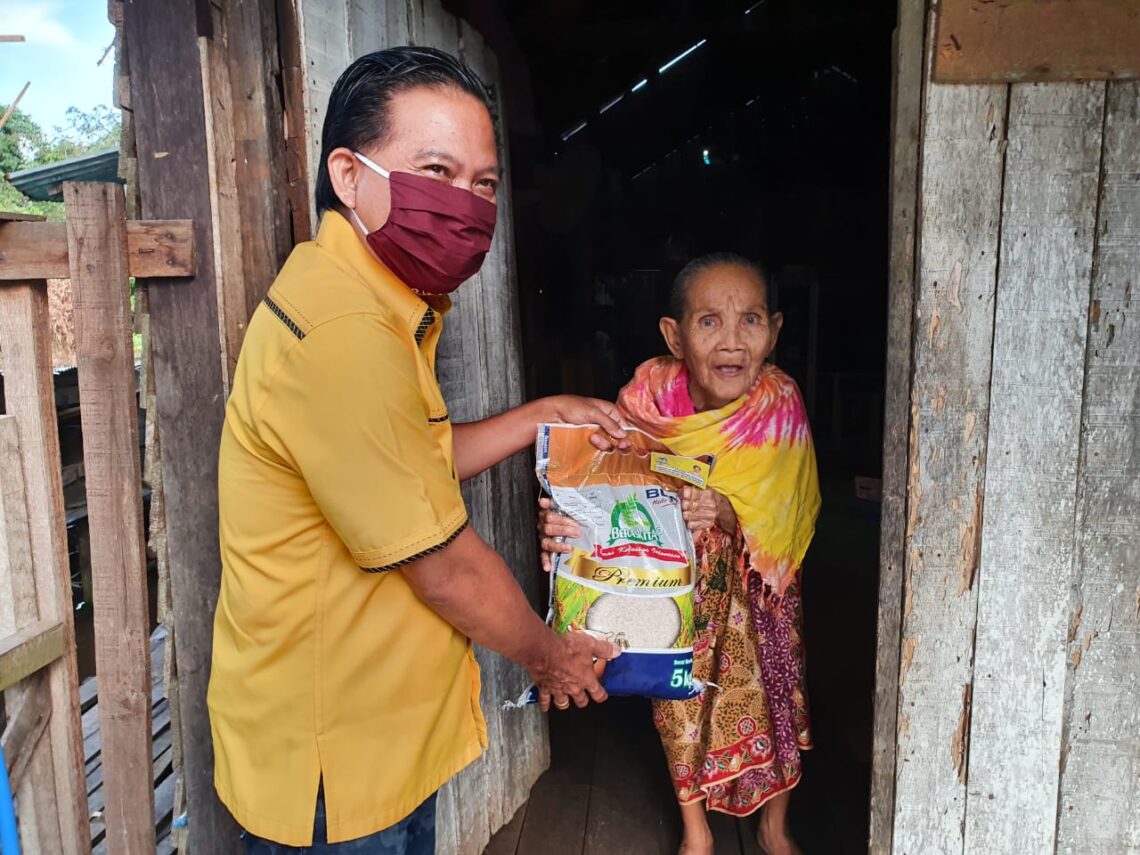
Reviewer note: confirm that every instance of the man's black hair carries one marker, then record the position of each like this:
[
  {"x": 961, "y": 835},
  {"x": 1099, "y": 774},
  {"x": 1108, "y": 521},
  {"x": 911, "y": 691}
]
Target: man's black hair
[{"x": 358, "y": 114}]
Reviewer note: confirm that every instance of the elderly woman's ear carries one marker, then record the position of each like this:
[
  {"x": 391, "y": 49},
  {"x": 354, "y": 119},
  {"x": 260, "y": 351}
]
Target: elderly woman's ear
[
  {"x": 777, "y": 322},
  {"x": 671, "y": 332}
]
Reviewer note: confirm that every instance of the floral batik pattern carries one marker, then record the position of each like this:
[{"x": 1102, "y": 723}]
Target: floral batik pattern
[{"x": 738, "y": 744}]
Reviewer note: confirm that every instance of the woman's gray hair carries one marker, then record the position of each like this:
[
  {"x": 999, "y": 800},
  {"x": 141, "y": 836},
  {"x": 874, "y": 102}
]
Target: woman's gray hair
[{"x": 679, "y": 295}]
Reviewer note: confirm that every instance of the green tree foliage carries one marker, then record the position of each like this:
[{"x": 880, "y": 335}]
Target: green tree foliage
[
  {"x": 24, "y": 144},
  {"x": 20, "y": 141}
]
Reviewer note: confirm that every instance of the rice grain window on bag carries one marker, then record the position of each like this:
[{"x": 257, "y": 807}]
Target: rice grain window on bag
[{"x": 630, "y": 576}]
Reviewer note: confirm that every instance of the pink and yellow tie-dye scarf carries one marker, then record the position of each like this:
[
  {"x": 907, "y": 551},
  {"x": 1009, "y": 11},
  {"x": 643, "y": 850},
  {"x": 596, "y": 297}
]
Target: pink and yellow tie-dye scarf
[{"x": 765, "y": 463}]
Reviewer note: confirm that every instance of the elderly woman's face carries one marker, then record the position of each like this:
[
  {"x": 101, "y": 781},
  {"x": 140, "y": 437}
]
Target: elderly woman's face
[
  {"x": 726, "y": 334},
  {"x": 441, "y": 133}
]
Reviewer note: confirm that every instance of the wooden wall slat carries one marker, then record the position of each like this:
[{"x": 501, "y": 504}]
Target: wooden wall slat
[
  {"x": 959, "y": 213},
  {"x": 19, "y": 610},
  {"x": 523, "y": 754},
  {"x": 1027, "y": 554},
  {"x": 295, "y": 122},
  {"x": 226, "y": 236},
  {"x": 1099, "y": 804},
  {"x": 472, "y": 801},
  {"x": 324, "y": 30},
  {"x": 97, "y": 250},
  {"x": 906, "y": 97},
  {"x": 252, "y": 207},
  {"x": 29, "y": 394},
  {"x": 161, "y": 41}
]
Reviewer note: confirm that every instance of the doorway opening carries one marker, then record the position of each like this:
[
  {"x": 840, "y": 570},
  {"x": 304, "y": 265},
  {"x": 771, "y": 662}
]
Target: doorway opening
[{"x": 642, "y": 135}]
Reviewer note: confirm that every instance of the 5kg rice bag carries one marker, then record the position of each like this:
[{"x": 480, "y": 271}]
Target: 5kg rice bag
[{"x": 630, "y": 576}]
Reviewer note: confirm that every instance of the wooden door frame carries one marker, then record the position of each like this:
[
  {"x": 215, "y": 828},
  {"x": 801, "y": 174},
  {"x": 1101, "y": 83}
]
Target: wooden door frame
[{"x": 907, "y": 87}]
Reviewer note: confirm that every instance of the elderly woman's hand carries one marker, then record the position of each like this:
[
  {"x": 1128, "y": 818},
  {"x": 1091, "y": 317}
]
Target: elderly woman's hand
[
  {"x": 703, "y": 509},
  {"x": 551, "y": 526}
]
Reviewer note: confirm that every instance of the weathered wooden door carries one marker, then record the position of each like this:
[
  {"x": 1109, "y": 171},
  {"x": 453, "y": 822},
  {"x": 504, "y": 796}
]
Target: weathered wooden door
[
  {"x": 480, "y": 372},
  {"x": 1008, "y": 679}
]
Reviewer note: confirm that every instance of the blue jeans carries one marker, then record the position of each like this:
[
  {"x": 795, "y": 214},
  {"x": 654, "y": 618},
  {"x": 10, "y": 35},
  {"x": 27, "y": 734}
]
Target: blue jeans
[{"x": 413, "y": 835}]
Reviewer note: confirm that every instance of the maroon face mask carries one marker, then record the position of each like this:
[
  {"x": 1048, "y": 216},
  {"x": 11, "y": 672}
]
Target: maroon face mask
[{"x": 436, "y": 235}]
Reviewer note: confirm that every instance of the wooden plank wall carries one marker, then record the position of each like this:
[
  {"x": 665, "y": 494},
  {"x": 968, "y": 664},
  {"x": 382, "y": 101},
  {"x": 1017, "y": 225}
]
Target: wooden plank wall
[
  {"x": 959, "y": 215},
  {"x": 1099, "y": 804},
  {"x": 1028, "y": 543},
  {"x": 480, "y": 373},
  {"x": 1019, "y": 687}
]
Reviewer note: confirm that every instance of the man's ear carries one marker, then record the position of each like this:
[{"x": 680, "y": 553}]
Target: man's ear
[
  {"x": 343, "y": 175},
  {"x": 671, "y": 332}
]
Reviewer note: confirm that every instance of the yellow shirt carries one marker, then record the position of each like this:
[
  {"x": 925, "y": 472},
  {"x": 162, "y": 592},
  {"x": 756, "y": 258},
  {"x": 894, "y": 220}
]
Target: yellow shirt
[{"x": 336, "y": 470}]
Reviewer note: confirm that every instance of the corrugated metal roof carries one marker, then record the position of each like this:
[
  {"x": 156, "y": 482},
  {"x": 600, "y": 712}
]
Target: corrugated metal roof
[{"x": 45, "y": 183}]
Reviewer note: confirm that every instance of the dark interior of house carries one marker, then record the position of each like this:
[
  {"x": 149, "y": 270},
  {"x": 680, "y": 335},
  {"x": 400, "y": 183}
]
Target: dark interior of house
[{"x": 642, "y": 135}]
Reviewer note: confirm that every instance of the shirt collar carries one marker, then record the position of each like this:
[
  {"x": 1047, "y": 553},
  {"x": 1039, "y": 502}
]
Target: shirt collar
[{"x": 340, "y": 239}]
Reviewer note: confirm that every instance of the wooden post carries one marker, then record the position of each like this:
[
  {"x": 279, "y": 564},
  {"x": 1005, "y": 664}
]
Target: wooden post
[
  {"x": 160, "y": 41},
  {"x": 29, "y": 395},
  {"x": 97, "y": 249},
  {"x": 906, "y": 124}
]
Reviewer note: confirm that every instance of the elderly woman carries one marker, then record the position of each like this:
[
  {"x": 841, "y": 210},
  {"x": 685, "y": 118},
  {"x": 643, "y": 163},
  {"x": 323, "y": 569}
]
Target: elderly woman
[{"x": 736, "y": 748}]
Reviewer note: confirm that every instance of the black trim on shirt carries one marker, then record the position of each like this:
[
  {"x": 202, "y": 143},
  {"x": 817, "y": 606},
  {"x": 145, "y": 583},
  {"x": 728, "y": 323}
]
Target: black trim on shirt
[
  {"x": 284, "y": 318},
  {"x": 439, "y": 546},
  {"x": 425, "y": 324},
  {"x": 438, "y": 420}
]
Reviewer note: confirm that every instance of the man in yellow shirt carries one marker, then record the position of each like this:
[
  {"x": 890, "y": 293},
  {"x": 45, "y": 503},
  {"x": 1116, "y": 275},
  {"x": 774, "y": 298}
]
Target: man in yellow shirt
[{"x": 344, "y": 691}]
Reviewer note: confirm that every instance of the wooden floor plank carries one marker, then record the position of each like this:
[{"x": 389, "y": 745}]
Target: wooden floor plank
[
  {"x": 747, "y": 829},
  {"x": 555, "y": 821},
  {"x": 162, "y": 749},
  {"x": 631, "y": 786},
  {"x": 726, "y": 835},
  {"x": 506, "y": 841}
]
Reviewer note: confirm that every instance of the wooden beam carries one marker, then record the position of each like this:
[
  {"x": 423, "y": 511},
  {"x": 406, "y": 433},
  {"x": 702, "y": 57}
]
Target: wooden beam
[
  {"x": 155, "y": 248},
  {"x": 906, "y": 123},
  {"x": 28, "y": 651},
  {"x": 29, "y": 395},
  {"x": 19, "y": 216},
  {"x": 97, "y": 249},
  {"x": 27, "y": 723},
  {"x": 161, "y": 43}
]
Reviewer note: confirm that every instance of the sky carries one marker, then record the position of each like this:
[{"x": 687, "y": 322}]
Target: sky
[{"x": 65, "y": 39}]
